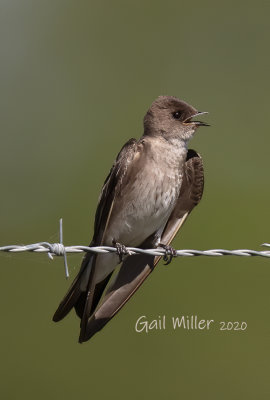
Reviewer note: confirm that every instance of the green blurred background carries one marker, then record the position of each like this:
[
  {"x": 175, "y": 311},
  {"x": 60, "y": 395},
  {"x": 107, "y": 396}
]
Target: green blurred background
[{"x": 76, "y": 78}]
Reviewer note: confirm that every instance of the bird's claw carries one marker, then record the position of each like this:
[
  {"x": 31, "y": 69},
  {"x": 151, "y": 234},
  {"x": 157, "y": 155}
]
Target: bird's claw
[
  {"x": 121, "y": 250},
  {"x": 170, "y": 252}
]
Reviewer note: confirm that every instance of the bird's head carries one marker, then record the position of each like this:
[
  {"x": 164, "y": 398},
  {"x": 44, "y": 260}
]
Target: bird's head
[{"x": 171, "y": 117}]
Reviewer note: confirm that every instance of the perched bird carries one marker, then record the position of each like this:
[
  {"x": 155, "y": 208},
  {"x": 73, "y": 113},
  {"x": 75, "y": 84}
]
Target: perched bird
[{"x": 152, "y": 187}]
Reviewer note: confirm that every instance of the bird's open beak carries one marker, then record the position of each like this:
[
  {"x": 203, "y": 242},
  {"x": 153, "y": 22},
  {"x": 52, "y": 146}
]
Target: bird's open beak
[{"x": 198, "y": 123}]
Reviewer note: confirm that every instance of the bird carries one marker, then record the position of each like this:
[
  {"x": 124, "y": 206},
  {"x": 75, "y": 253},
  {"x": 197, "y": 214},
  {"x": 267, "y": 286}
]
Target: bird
[{"x": 152, "y": 187}]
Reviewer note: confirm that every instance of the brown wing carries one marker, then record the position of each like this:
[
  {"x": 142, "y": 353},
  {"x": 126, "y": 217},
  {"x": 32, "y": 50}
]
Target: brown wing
[
  {"x": 110, "y": 188},
  {"x": 190, "y": 195},
  {"x": 82, "y": 301},
  {"x": 136, "y": 268}
]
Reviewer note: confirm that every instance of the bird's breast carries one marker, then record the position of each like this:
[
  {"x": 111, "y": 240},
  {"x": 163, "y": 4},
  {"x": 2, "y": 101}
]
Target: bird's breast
[{"x": 146, "y": 200}]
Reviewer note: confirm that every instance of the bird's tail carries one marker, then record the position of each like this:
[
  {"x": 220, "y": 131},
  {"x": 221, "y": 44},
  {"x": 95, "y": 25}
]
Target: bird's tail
[
  {"x": 84, "y": 294},
  {"x": 77, "y": 293}
]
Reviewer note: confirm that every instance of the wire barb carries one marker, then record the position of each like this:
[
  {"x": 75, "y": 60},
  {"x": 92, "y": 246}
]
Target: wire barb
[
  {"x": 64, "y": 250},
  {"x": 55, "y": 249},
  {"x": 59, "y": 249}
]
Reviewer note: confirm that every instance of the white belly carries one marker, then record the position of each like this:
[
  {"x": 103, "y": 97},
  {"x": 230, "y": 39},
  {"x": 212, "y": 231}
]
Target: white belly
[
  {"x": 146, "y": 208},
  {"x": 141, "y": 216},
  {"x": 145, "y": 204}
]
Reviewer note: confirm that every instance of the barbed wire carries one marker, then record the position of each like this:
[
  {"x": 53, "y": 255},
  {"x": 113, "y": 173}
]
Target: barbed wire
[{"x": 59, "y": 249}]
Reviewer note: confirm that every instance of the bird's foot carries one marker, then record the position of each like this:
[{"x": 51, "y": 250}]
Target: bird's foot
[
  {"x": 170, "y": 252},
  {"x": 121, "y": 250}
]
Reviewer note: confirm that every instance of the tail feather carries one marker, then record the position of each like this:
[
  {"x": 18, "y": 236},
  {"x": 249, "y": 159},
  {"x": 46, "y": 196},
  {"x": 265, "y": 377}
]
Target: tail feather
[
  {"x": 83, "y": 296},
  {"x": 76, "y": 292},
  {"x": 68, "y": 302},
  {"x": 132, "y": 274}
]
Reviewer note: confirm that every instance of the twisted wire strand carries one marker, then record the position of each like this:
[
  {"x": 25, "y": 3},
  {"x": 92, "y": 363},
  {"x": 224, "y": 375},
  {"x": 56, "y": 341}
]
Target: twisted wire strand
[{"x": 59, "y": 249}]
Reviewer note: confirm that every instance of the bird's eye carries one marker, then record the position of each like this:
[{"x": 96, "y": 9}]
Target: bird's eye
[{"x": 176, "y": 115}]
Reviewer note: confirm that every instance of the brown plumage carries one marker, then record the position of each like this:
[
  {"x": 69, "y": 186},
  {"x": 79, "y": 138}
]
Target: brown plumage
[{"x": 153, "y": 185}]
